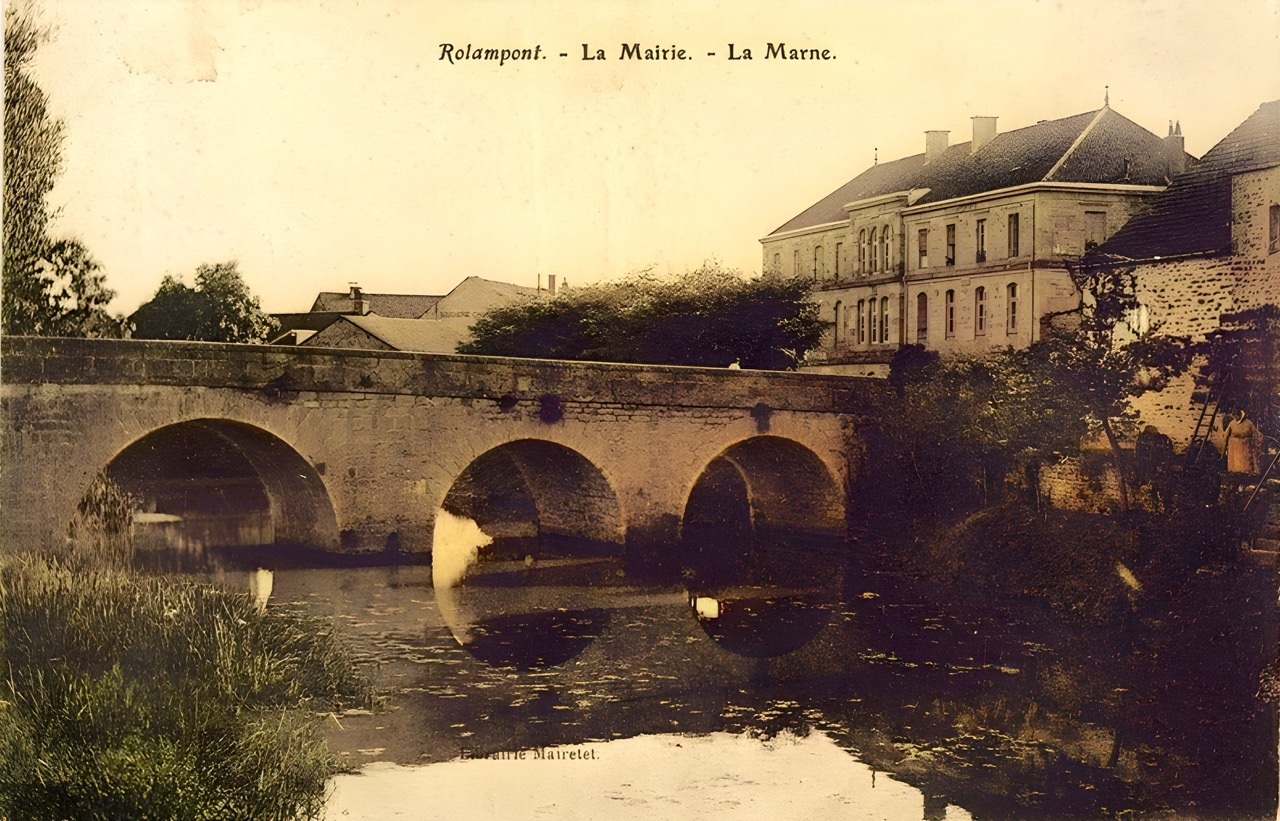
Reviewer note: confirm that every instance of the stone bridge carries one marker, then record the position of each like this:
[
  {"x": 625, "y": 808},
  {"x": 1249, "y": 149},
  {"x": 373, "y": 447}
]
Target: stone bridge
[{"x": 357, "y": 450}]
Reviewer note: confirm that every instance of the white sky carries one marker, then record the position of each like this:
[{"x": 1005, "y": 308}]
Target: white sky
[{"x": 321, "y": 142}]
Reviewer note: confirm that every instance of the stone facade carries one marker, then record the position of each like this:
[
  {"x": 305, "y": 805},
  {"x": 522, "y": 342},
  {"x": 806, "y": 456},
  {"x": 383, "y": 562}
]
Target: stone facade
[{"x": 964, "y": 248}]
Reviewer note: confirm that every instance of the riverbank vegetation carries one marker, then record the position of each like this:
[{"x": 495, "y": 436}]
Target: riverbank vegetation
[{"x": 129, "y": 696}]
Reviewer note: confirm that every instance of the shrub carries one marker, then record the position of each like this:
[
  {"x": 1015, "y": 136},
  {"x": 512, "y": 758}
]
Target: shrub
[{"x": 132, "y": 697}]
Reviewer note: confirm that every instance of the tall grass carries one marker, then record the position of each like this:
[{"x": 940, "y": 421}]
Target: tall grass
[{"x": 126, "y": 696}]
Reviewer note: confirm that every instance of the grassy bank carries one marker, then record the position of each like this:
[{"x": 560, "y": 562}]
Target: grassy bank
[{"x": 126, "y": 696}]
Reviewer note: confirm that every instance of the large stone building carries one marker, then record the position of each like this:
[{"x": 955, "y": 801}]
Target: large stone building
[{"x": 964, "y": 247}]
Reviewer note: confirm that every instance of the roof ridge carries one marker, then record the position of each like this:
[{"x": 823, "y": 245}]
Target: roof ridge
[{"x": 1048, "y": 177}]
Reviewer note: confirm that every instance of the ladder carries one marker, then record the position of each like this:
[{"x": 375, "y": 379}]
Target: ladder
[{"x": 1214, "y": 393}]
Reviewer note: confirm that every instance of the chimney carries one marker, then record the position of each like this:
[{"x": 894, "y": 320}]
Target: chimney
[
  {"x": 359, "y": 304},
  {"x": 935, "y": 143},
  {"x": 984, "y": 131},
  {"x": 551, "y": 284},
  {"x": 1175, "y": 154}
]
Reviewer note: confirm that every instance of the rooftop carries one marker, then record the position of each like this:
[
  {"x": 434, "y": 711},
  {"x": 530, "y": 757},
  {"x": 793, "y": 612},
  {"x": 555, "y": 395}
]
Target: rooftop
[
  {"x": 1095, "y": 147},
  {"x": 1193, "y": 215}
]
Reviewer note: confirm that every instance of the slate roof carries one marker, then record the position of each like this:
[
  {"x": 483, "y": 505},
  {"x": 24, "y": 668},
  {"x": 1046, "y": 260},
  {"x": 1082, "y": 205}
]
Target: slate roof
[
  {"x": 417, "y": 335},
  {"x": 1193, "y": 215},
  {"x": 408, "y": 306},
  {"x": 475, "y": 295},
  {"x": 1090, "y": 147}
]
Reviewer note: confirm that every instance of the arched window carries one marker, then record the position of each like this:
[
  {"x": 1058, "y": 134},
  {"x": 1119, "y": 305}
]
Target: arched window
[
  {"x": 1011, "y": 325},
  {"x": 872, "y": 313},
  {"x": 979, "y": 311},
  {"x": 922, "y": 317},
  {"x": 884, "y": 319},
  {"x": 862, "y": 322},
  {"x": 835, "y": 328},
  {"x": 884, "y": 247},
  {"x": 950, "y": 315},
  {"x": 875, "y": 252},
  {"x": 862, "y": 251}
]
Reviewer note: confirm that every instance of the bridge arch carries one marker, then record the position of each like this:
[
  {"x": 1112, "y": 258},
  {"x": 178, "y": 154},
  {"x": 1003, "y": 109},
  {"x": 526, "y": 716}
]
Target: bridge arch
[
  {"x": 765, "y": 485},
  {"x": 527, "y": 536},
  {"x": 758, "y": 525},
  {"x": 227, "y": 483}
]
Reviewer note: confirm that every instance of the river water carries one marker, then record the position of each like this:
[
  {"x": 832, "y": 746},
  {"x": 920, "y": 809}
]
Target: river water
[{"x": 553, "y": 686}]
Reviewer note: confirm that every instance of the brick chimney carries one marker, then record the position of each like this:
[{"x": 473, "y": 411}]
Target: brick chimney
[
  {"x": 984, "y": 131},
  {"x": 1174, "y": 153},
  {"x": 935, "y": 143}
]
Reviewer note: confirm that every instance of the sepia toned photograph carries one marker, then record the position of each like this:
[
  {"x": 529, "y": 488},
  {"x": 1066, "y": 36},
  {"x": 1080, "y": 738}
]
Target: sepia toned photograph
[{"x": 586, "y": 410}]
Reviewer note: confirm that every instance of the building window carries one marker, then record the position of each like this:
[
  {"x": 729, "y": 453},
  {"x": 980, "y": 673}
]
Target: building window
[
  {"x": 862, "y": 322},
  {"x": 951, "y": 244},
  {"x": 980, "y": 241},
  {"x": 884, "y": 248},
  {"x": 950, "y": 317},
  {"x": 795, "y": 264},
  {"x": 922, "y": 318},
  {"x": 839, "y": 254},
  {"x": 777, "y": 264},
  {"x": 817, "y": 263},
  {"x": 979, "y": 311},
  {"x": 1012, "y": 324},
  {"x": 1014, "y": 240},
  {"x": 835, "y": 326},
  {"x": 884, "y": 319},
  {"x": 1095, "y": 228},
  {"x": 875, "y": 252},
  {"x": 922, "y": 244},
  {"x": 1274, "y": 245},
  {"x": 862, "y": 251},
  {"x": 871, "y": 321}
]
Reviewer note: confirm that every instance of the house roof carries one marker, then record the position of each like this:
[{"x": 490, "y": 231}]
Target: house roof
[
  {"x": 310, "y": 321},
  {"x": 416, "y": 335},
  {"x": 476, "y": 295},
  {"x": 1193, "y": 215},
  {"x": 1097, "y": 147},
  {"x": 410, "y": 306}
]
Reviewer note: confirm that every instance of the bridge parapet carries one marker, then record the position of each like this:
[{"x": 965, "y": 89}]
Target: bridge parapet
[{"x": 281, "y": 369}]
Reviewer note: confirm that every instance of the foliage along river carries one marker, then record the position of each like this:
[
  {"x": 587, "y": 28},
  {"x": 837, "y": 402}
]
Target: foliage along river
[{"x": 801, "y": 686}]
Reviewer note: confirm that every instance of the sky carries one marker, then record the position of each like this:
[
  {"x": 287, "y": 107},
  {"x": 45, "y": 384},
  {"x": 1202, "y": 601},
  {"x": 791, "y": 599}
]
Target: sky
[{"x": 321, "y": 143}]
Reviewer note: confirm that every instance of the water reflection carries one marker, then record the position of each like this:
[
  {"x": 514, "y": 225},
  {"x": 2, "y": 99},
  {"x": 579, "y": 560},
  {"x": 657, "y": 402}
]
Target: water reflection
[
  {"x": 990, "y": 706},
  {"x": 519, "y": 602}
]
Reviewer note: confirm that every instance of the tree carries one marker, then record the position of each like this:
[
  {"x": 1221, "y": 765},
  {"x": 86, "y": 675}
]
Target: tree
[
  {"x": 218, "y": 309},
  {"x": 710, "y": 316},
  {"x": 52, "y": 288},
  {"x": 1095, "y": 366}
]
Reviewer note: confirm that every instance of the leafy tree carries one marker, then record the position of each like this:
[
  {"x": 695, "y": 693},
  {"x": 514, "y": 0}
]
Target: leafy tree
[
  {"x": 710, "y": 316},
  {"x": 53, "y": 288},
  {"x": 218, "y": 309}
]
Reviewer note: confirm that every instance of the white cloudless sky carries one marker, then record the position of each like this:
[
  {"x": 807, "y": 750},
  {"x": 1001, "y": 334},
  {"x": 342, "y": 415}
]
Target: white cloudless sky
[{"x": 323, "y": 142}]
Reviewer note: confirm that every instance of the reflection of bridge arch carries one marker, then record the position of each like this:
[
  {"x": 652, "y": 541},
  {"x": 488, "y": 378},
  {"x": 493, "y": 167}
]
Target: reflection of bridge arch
[
  {"x": 228, "y": 483},
  {"x": 765, "y": 483},
  {"x": 528, "y": 537}
]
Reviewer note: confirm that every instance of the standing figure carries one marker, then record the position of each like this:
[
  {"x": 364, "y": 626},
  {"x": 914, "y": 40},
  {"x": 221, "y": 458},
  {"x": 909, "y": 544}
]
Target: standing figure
[{"x": 1242, "y": 445}]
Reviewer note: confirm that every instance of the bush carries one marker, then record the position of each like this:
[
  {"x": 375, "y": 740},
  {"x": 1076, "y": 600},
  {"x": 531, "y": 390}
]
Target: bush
[{"x": 132, "y": 697}]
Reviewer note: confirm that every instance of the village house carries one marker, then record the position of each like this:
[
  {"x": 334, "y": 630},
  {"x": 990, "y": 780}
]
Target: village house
[
  {"x": 399, "y": 322},
  {"x": 964, "y": 248},
  {"x": 1208, "y": 247}
]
